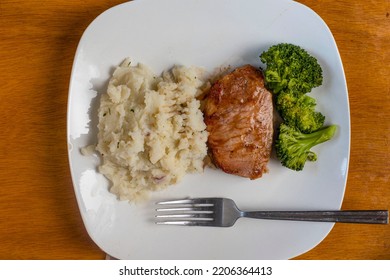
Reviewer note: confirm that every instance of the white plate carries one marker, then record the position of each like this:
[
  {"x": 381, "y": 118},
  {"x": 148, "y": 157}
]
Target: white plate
[{"x": 208, "y": 34}]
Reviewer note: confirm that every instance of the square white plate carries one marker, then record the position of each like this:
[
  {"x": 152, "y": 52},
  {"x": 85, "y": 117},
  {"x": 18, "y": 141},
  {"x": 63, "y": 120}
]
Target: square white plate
[{"x": 209, "y": 34}]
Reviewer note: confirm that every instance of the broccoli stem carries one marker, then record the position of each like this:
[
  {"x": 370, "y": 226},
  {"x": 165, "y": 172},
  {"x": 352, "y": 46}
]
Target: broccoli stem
[
  {"x": 318, "y": 136},
  {"x": 315, "y": 138}
]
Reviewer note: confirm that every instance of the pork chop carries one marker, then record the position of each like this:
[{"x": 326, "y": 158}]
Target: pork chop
[{"x": 239, "y": 119}]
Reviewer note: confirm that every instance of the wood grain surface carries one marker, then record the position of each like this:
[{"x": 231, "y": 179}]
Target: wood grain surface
[{"x": 39, "y": 217}]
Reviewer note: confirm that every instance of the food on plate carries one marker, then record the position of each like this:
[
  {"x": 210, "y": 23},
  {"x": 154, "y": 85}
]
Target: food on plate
[
  {"x": 299, "y": 111},
  {"x": 239, "y": 118},
  {"x": 293, "y": 147},
  {"x": 291, "y": 72},
  {"x": 152, "y": 131},
  {"x": 289, "y": 67},
  {"x": 151, "y": 128}
]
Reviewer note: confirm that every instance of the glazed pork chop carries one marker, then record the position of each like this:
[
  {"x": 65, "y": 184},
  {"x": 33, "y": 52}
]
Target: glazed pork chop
[{"x": 239, "y": 119}]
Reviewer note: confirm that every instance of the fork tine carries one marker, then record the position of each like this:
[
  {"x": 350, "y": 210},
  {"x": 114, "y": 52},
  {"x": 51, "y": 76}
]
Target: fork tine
[
  {"x": 180, "y": 201},
  {"x": 186, "y": 209},
  {"x": 202, "y": 201},
  {"x": 186, "y": 223},
  {"x": 194, "y": 215}
]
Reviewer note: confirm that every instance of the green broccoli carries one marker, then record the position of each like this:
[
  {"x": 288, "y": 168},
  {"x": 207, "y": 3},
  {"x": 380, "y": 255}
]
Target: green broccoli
[
  {"x": 289, "y": 67},
  {"x": 293, "y": 147},
  {"x": 299, "y": 111}
]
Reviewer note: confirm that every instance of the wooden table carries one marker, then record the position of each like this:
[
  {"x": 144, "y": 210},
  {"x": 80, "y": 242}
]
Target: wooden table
[{"x": 39, "y": 217}]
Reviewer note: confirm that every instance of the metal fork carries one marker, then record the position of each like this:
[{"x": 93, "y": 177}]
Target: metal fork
[{"x": 223, "y": 212}]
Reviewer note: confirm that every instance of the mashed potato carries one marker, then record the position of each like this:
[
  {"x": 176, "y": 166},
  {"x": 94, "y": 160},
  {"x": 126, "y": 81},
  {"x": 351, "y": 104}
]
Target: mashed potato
[{"x": 151, "y": 129}]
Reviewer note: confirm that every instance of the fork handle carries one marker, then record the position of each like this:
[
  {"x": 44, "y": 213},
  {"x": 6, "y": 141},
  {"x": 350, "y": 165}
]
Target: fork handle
[{"x": 354, "y": 216}]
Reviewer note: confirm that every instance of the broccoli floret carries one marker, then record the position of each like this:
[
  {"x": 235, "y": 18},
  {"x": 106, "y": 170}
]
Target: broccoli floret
[
  {"x": 289, "y": 67},
  {"x": 291, "y": 73},
  {"x": 299, "y": 111},
  {"x": 293, "y": 147}
]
